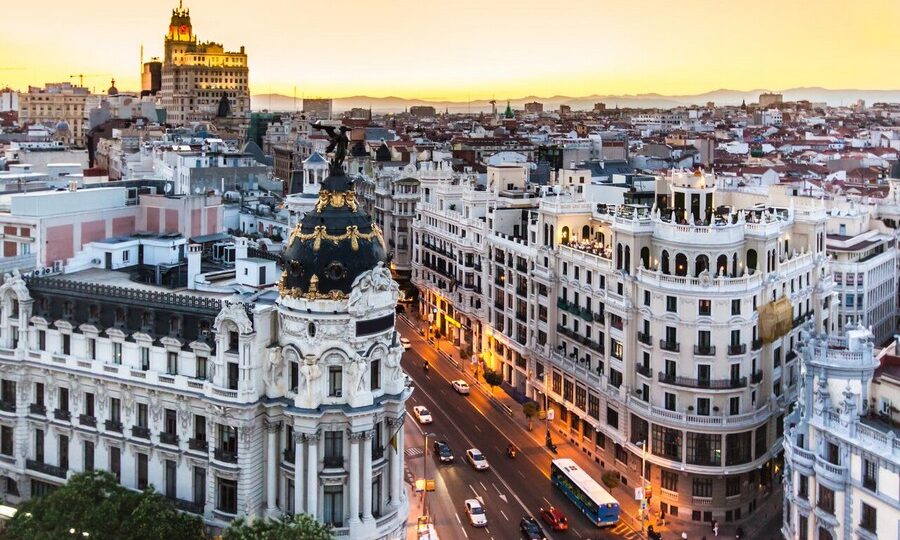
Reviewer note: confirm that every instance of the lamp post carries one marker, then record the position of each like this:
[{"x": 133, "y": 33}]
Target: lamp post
[{"x": 425, "y": 475}]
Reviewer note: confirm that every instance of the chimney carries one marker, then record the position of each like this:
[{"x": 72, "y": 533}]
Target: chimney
[
  {"x": 240, "y": 248},
  {"x": 194, "y": 253}
]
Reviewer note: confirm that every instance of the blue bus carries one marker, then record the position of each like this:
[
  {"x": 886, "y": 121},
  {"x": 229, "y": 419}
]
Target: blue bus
[{"x": 589, "y": 496}]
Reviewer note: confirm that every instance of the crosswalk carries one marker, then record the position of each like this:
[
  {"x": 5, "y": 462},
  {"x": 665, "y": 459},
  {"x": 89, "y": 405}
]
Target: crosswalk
[
  {"x": 625, "y": 532},
  {"x": 413, "y": 451}
]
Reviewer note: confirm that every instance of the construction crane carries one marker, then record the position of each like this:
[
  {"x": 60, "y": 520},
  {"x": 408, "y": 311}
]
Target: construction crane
[{"x": 81, "y": 76}]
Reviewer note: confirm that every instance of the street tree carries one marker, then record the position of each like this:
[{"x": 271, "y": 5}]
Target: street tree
[
  {"x": 298, "y": 527},
  {"x": 493, "y": 378},
  {"x": 95, "y": 503},
  {"x": 530, "y": 410}
]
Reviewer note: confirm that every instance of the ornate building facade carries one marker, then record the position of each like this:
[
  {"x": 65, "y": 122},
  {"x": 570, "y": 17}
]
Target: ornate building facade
[
  {"x": 277, "y": 400},
  {"x": 198, "y": 78}
]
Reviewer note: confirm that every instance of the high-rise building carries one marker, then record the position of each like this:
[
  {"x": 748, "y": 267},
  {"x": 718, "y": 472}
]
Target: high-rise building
[
  {"x": 318, "y": 108},
  {"x": 841, "y": 448},
  {"x": 534, "y": 107},
  {"x": 199, "y": 79},
  {"x": 670, "y": 329},
  {"x": 422, "y": 111},
  {"x": 769, "y": 99}
]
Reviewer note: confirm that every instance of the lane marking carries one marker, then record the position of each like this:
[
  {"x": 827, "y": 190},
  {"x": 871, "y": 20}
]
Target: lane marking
[
  {"x": 457, "y": 518},
  {"x": 473, "y": 490},
  {"x": 576, "y": 533},
  {"x": 545, "y": 500},
  {"x": 482, "y": 485},
  {"x": 502, "y": 513},
  {"x": 498, "y": 489},
  {"x": 463, "y": 530},
  {"x": 478, "y": 428}
]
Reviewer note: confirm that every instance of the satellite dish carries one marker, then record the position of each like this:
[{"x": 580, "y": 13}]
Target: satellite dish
[{"x": 168, "y": 188}]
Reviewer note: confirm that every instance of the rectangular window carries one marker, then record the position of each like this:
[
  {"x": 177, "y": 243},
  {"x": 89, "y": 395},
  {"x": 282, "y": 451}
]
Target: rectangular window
[
  {"x": 39, "y": 394},
  {"x": 670, "y": 401},
  {"x": 6, "y": 440},
  {"x": 88, "y": 456},
  {"x": 171, "y": 479},
  {"x": 761, "y": 440},
  {"x": 199, "y": 486},
  {"x": 172, "y": 363},
  {"x": 732, "y": 486},
  {"x": 375, "y": 375},
  {"x": 63, "y": 404},
  {"x": 702, "y": 487},
  {"x": 736, "y": 307},
  {"x": 170, "y": 426},
  {"x": 89, "y": 404},
  {"x": 39, "y": 445},
  {"x": 803, "y": 487},
  {"x": 639, "y": 429},
  {"x": 145, "y": 358},
  {"x": 612, "y": 417},
  {"x": 117, "y": 353},
  {"x": 142, "y": 471},
  {"x": 734, "y": 405},
  {"x": 333, "y": 505},
  {"x": 870, "y": 475},
  {"x": 91, "y": 348},
  {"x": 647, "y": 298},
  {"x": 66, "y": 344},
  {"x": 869, "y": 518},
  {"x": 621, "y": 454},
  {"x": 669, "y": 480},
  {"x": 704, "y": 307},
  {"x": 42, "y": 340},
  {"x": 593, "y": 406},
  {"x": 737, "y": 448},
  {"x": 202, "y": 365},
  {"x": 672, "y": 304},
  {"x": 335, "y": 380},
  {"x": 334, "y": 449},
  {"x": 704, "y": 449},
  {"x": 802, "y": 528},
  {"x": 666, "y": 442},
  {"x": 142, "y": 417},
  {"x": 615, "y": 378},
  {"x": 703, "y": 406},
  {"x": 199, "y": 427},
  {"x": 227, "y": 498},
  {"x": 826, "y": 499},
  {"x": 228, "y": 439},
  {"x": 115, "y": 462}
]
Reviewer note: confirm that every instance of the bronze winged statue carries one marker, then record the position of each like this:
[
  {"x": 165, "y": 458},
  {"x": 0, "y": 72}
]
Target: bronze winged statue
[{"x": 338, "y": 144}]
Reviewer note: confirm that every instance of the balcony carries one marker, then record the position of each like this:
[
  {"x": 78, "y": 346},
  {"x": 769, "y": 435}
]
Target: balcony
[
  {"x": 225, "y": 456},
  {"x": 61, "y": 414},
  {"x": 646, "y": 339},
  {"x": 140, "y": 432},
  {"x": 671, "y": 346},
  {"x": 689, "y": 382},
  {"x": 289, "y": 455},
  {"x": 705, "y": 350},
  {"x": 644, "y": 370},
  {"x": 200, "y": 445},
  {"x": 600, "y": 318},
  {"x": 756, "y": 377},
  {"x": 8, "y": 406},
  {"x": 734, "y": 350},
  {"x": 35, "y": 408},
  {"x": 112, "y": 425},
  {"x": 86, "y": 420},
  {"x": 168, "y": 438},
  {"x": 187, "y": 506},
  {"x": 757, "y": 344},
  {"x": 45, "y": 468},
  {"x": 830, "y": 471}
]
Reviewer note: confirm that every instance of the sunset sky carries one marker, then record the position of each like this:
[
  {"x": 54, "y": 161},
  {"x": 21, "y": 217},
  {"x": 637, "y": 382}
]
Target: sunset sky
[{"x": 470, "y": 49}]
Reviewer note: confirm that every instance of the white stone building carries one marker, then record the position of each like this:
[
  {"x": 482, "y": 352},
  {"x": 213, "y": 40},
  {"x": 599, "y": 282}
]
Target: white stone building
[
  {"x": 250, "y": 404},
  {"x": 842, "y": 450}
]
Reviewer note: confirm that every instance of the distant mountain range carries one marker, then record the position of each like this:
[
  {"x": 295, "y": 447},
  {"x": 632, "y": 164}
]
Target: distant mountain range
[{"x": 391, "y": 104}]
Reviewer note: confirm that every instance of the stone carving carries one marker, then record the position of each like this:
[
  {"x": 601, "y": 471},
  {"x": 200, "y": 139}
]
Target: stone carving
[
  {"x": 367, "y": 284},
  {"x": 275, "y": 369},
  {"x": 184, "y": 412},
  {"x": 357, "y": 369},
  {"x": 235, "y": 312},
  {"x": 392, "y": 365},
  {"x": 309, "y": 373},
  {"x": 14, "y": 282},
  {"x": 338, "y": 142},
  {"x": 155, "y": 406}
]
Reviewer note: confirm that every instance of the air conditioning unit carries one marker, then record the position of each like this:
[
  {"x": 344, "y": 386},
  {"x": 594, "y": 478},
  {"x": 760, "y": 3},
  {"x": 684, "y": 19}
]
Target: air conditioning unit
[
  {"x": 95, "y": 261},
  {"x": 58, "y": 265}
]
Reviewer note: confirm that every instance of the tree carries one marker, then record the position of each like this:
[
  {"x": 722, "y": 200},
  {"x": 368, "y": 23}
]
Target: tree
[
  {"x": 298, "y": 527},
  {"x": 96, "y": 504},
  {"x": 530, "y": 409},
  {"x": 493, "y": 378}
]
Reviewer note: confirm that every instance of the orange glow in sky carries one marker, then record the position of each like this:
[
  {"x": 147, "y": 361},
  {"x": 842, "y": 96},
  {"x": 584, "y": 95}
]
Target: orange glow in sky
[{"x": 468, "y": 49}]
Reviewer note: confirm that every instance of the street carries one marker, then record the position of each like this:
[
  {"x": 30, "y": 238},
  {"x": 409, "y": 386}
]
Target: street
[{"x": 511, "y": 487}]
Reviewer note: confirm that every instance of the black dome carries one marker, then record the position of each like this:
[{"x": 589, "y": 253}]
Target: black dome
[{"x": 335, "y": 243}]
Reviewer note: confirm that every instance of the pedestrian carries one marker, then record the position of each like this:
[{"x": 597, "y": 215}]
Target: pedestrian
[
  {"x": 716, "y": 530},
  {"x": 684, "y": 536}
]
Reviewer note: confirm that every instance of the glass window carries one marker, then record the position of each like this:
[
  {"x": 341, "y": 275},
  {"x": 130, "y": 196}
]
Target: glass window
[
  {"x": 666, "y": 442},
  {"x": 702, "y": 487},
  {"x": 672, "y": 304},
  {"x": 870, "y": 475},
  {"x": 826, "y": 499},
  {"x": 704, "y": 449},
  {"x": 737, "y": 448},
  {"x": 869, "y": 518},
  {"x": 639, "y": 429},
  {"x": 335, "y": 381},
  {"x": 227, "y": 496},
  {"x": 732, "y": 486},
  {"x": 612, "y": 417},
  {"x": 333, "y": 506},
  {"x": 669, "y": 480}
]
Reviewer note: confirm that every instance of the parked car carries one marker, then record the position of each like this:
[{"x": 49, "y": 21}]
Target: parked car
[
  {"x": 442, "y": 451},
  {"x": 530, "y": 529},
  {"x": 422, "y": 414},
  {"x": 461, "y": 386},
  {"x": 554, "y": 518},
  {"x": 476, "y": 513},
  {"x": 477, "y": 459}
]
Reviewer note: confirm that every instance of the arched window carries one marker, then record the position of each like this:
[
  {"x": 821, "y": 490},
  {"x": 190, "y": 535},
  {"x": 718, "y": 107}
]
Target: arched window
[
  {"x": 645, "y": 257},
  {"x": 564, "y": 239},
  {"x": 787, "y": 251},
  {"x": 701, "y": 264},
  {"x": 601, "y": 238},
  {"x": 585, "y": 233},
  {"x": 627, "y": 259},
  {"x": 722, "y": 265},
  {"x": 681, "y": 264},
  {"x": 618, "y": 256},
  {"x": 734, "y": 270},
  {"x": 552, "y": 235},
  {"x": 664, "y": 262},
  {"x": 546, "y": 235},
  {"x": 751, "y": 260}
]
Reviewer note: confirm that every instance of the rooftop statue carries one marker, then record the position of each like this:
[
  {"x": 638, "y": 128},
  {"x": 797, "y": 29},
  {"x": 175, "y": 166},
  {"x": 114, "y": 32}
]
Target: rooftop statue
[{"x": 338, "y": 145}]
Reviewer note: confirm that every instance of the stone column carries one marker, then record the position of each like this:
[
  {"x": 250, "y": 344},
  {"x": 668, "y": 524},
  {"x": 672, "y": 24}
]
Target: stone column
[
  {"x": 353, "y": 485},
  {"x": 367, "y": 475},
  {"x": 272, "y": 466},
  {"x": 312, "y": 475},
  {"x": 298, "y": 473},
  {"x": 396, "y": 424}
]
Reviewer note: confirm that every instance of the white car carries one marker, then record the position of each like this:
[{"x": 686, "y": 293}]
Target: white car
[
  {"x": 422, "y": 414},
  {"x": 405, "y": 342},
  {"x": 461, "y": 386},
  {"x": 477, "y": 459},
  {"x": 476, "y": 513}
]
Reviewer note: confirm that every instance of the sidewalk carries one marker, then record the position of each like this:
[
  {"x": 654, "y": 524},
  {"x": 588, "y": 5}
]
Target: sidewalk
[{"x": 754, "y": 527}]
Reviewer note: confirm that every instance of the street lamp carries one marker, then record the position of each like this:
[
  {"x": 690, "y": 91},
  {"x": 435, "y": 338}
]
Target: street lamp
[{"x": 425, "y": 475}]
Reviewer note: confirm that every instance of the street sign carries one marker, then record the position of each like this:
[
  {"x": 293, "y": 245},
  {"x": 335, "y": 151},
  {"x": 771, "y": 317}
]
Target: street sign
[
  {"x": 643, "y": 504},
  {"x": 424, "y": 485},
  {"x": 429, "y": 485},
  {"x": 639, "y": 494},
  {"x": 550, "y": 414}
]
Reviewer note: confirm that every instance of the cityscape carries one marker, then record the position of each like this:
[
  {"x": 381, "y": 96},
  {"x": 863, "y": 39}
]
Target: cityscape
[{"x": 293, "y": 284}]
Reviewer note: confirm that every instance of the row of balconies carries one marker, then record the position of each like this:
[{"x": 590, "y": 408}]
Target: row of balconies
[{"x": 689, "y": 382}]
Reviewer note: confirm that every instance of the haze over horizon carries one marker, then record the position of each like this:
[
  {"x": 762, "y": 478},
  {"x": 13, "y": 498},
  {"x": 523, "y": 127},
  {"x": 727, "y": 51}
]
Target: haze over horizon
[{"x": 424, "y": 49}]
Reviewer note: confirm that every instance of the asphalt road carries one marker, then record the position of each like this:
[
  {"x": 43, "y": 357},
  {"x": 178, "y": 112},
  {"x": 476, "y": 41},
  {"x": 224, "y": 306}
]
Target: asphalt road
[{"x": 511, "y": 488}]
